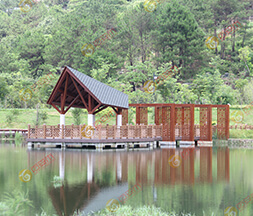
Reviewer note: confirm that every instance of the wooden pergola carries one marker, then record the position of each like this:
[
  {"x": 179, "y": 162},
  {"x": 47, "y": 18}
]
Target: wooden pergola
[{"x": 75, "y": 89}]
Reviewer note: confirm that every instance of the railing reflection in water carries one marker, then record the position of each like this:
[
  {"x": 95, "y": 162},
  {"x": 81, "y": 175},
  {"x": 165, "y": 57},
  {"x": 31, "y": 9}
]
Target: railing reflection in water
[{"x": 150, "y": 168}]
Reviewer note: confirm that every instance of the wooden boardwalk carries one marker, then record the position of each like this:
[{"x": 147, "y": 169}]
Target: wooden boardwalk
[{"x": 104, "y": 137}]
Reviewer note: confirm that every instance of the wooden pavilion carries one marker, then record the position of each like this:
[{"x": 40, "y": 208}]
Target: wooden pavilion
[
  {"x": 173, "y": 122},
  {"x": 75, "y": 89}
]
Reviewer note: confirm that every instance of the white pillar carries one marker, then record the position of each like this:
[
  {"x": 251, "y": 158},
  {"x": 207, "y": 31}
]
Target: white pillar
[
  {"x": 91, "y": 119},
  {"x": 119, "y": 168},
  {"x": 89, "y": 168},
  {"x": 119, "y": 120},
  {"x": 62, "y": 164},
  {"x": 62, "y": 119}
]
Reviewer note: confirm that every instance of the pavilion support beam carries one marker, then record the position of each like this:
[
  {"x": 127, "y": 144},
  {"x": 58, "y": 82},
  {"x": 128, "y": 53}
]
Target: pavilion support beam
[
  {"x": 89, "y": 104},
  {"x": 71, "y": 104},
  {"x": 63, "y": 98},
  {"x": 56, "y": 108},
  {"x": 104, "y": 107},
  {"x": 69, "y": 94},
  {"x": 60, "y": 81},
  {"x": 116, "y": 111},
  {"x": 79, "y": 93},
  {"x": 99, "y": 104}
]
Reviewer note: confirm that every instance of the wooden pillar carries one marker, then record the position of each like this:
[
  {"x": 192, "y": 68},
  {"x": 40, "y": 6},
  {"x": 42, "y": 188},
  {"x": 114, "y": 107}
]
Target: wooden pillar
[
  {"x": 138, "y": 119},
  {"x": 172, "y": 122},
  {"x": 124, "y": 116},
  {"x": 156, "y": 116},
  {"x": 227, "y": 123},
  {"x": 191, "y": 122}
]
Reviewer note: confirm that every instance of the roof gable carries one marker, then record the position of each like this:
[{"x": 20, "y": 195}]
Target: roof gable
[{"x": 104, "y": 93}]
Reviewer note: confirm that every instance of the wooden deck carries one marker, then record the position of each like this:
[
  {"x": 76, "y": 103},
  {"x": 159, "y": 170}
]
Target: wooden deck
[
  {"x": 108, "y": 137},
  {"x": 103, "y": 137}
]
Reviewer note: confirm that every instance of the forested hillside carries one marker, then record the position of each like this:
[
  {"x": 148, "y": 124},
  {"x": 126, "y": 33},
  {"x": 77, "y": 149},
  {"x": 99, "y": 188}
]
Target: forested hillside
[{"x": 52, "y": 33}]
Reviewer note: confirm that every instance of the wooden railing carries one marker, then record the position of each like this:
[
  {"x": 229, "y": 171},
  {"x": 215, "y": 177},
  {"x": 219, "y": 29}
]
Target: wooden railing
[
  {"x": 101, "y": 132},
  {"x": 112, "y": 131},
  {"x": 14, "y": 130},
  {"x": 241, "y": 127}
]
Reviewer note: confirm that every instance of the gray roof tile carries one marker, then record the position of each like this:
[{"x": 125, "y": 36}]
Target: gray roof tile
[{"x": 106, "y": 94}]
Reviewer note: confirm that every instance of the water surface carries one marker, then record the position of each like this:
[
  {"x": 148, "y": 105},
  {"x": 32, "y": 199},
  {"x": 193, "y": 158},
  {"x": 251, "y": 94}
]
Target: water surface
[{"x": 207, "y": 180}]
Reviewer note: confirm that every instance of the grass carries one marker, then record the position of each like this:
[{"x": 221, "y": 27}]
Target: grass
[{"x": 140, "y": 211}]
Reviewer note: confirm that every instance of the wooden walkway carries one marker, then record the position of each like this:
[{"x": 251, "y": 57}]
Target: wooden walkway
[{"x": 104, "y": 137}]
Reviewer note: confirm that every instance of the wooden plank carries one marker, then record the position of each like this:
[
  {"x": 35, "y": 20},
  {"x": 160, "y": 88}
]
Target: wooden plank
[{"x": 138, "y": 120}]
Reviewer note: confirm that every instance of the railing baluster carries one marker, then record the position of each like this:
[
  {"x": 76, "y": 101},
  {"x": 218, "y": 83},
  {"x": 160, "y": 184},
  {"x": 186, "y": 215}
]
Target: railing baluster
[{"x": 44, "y": 131}]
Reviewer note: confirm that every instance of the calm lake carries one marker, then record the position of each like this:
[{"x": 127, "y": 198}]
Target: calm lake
[{"x": 208, "y": 180}]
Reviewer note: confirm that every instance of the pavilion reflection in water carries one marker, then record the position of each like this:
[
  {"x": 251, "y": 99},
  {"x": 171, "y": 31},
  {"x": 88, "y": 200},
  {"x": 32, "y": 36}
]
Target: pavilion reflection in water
[{"x": 123, "y": 170}]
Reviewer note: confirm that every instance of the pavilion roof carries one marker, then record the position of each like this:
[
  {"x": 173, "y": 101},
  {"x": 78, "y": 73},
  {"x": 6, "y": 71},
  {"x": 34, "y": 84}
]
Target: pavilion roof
[
  {"x": 76, "y": 89},
  {"x": 104, "y": 93}
]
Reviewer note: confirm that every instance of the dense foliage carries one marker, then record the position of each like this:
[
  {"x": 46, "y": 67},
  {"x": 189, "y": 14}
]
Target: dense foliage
[{"x": 51, "y": 35}]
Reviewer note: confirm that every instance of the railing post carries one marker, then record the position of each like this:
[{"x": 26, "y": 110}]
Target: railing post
[
  {"x": 80, "y": 131},
  {"x": 72, "y": 131},
  {"x": 161, "y": 130},
  {"x": 36, "y": 131},
  {"x": 106, "y": 131},
  {"x": 29, "y": 130},
  {"x": 100, "y": 131},
  {"x": 114, "y": 131},
  {"x": 44, "y": 131},
  {"x": 62, "y": 131},
  {"x": 51, "y": 130}
]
